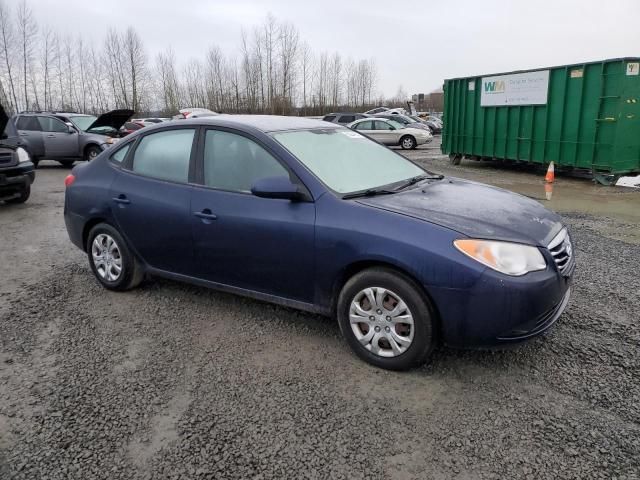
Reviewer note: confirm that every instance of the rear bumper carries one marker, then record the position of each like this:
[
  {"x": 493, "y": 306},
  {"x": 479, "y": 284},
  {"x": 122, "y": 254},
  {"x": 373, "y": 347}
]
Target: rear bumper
[{"x": 75, "y": 225}]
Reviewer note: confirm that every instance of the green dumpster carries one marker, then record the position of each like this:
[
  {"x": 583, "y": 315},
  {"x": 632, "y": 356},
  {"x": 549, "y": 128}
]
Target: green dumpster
[{"x": 582, "y": 116}]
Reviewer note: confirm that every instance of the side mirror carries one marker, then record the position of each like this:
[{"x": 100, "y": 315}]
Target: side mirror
[
  {"x": 391, "y": 127},
  {"x": 276, "y": 187},
  {"x": 71, "y": 128}
]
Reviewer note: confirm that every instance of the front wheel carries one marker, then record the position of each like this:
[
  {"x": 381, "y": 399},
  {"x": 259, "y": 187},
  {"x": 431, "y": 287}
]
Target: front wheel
[
  {"x": 386, "y": 319},
  {"x": 111, "y": 260},
  {"x": 408, "y": 142},
  {"x": 92, "y": 152}
]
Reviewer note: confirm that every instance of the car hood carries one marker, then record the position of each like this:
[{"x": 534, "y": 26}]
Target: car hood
[
  {"x": 475, "y": 210},
  {"x": 114, "y": 119}
]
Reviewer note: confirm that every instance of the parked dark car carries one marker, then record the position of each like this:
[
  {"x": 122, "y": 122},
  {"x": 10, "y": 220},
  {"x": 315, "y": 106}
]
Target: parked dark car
[
  {"x": 404, "y": 120},
  {"x": 343, "y": 118},
  {"x": 67, "y": 137},
  {"x": 320, "y": 218},
  {"x": 16, "y": 169}
]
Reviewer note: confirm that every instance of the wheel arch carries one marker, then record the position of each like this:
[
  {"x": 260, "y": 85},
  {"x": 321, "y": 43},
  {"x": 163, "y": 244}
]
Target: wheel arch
[
  {"x": 358, "y": 266},
  {"x": 87, "y": 228},
  {"x": 90, "y": 144}
]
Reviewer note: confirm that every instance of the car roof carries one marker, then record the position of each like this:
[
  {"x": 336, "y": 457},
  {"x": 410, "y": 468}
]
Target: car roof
[{"x": 264, "y": 123}]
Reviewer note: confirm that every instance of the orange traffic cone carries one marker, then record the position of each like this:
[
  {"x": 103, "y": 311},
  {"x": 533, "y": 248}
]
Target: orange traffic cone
[
  {"x": 548, "y": 191},
  {"x": 550, "y": 176}
]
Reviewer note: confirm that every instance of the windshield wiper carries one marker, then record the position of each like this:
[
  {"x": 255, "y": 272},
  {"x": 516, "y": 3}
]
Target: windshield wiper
[
  {"x": 371, "y": 192},
  {"x": 419, "y": 178}
]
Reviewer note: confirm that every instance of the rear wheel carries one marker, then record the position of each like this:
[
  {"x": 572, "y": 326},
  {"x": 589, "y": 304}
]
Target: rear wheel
[
  {"x": 23, "y": 197},
  {"x": 111, "y": 260},
  {"x": 386, "y": 319},
  {"x": 91, "y": 152},
  {"x": 408, "y": 142}
]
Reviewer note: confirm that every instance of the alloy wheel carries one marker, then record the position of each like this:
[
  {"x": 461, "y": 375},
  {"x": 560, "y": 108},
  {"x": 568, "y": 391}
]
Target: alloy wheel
[
  {"x": 381, "y": 321},
  {"x": 106, "y": 257}
]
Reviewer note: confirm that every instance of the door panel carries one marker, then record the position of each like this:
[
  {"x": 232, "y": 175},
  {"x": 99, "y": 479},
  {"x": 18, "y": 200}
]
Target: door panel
[
  {"x": 245, "y": 241},
  {"x": 29, "y": 130},
  {"x": 384, "y": 135},
  {"x": 155, "y": 218},
  {"x": 154, "y": 214},
  {"x": 59, "y": 142},
  {"x": 255, "y": 243}
]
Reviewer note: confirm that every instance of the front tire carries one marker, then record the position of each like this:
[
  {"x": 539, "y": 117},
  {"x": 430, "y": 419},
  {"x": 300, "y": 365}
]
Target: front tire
[
  {"x": 91, "y": 152},
  {"x": 386, "y": 319},
  {"x": 111, "y": 260},
  {"x": 408, "y": 142}
]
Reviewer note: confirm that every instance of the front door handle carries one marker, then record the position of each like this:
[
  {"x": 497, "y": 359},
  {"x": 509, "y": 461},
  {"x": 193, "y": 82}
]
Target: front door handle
[
  {"x": 206, "y": 214},
  {"x": 23, "y": 134},
  {"x": 122, "y": 199},
  {"x": 51, "y": 136}
]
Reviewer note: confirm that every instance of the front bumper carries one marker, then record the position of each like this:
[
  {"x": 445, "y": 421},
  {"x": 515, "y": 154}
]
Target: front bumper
[
  {"x": 15, "y": 179},
  {"x": 500, "y": 310}
]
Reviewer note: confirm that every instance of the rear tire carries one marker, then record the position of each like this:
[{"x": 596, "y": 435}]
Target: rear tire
[
  {"x": 386, "y": 320},
  {"x": 111, "y": 259},
  {"x": 408, "y": 142},
  {"x": 24, "y": 196},
  {"x": 66, "y": 163},
  {"x": 91, "y": 152}
]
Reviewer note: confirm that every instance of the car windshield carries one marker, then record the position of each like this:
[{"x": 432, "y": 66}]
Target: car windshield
[
  {"x": 83, "y": 121},
  {"x": 346, "y": 161},
  {"x": 416, "y": 119}
]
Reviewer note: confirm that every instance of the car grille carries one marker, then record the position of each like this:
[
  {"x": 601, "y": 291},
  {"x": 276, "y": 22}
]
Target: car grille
[
  {"x": 562, "y": 252},
  {"x": 6, "y": 159}
]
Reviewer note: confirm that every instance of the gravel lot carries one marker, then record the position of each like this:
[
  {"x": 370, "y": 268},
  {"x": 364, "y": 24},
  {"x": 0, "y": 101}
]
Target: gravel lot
[{"x": 177, "y": 382}]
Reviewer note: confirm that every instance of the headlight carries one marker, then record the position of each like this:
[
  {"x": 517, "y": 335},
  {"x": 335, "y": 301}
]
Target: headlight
[
  {"x": 508, "y": 258},
  {"x": 111, "y": 140},
  {"x": 23, "y": 156}
]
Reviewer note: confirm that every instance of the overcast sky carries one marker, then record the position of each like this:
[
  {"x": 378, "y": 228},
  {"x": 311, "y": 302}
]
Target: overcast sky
[{"x": 416, "y": 44}]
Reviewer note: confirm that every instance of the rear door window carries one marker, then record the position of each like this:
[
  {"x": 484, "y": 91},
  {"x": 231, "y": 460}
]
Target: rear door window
[
  {"x": 28, "y": 123},
  {"x": 329, "y": 118},
  {"x": 165, "y": 155}
]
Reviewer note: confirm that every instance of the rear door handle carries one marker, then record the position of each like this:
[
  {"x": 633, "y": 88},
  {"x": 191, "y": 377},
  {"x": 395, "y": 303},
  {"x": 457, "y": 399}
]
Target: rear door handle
[
  {"x": 122, "y": 199},
  {"x": 51, "y": 136},
  {"x": 23, "y": 134},
  {"x": 206, "y": 214}
]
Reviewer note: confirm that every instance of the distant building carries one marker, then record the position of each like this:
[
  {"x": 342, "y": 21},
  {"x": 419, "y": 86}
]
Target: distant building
[{"x": 429, "y": 102}]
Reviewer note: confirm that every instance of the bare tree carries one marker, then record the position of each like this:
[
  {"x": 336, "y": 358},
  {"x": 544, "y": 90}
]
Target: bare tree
[
  {"x": 7, "y": 45},
  {"x": 136, "y": 65},
  {"x": 306, "y": 66},
  {"x": 27, "y": 30}
]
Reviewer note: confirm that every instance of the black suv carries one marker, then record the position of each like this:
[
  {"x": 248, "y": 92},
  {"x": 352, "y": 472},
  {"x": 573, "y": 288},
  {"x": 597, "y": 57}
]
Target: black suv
[{"x": 16, "y": 169}]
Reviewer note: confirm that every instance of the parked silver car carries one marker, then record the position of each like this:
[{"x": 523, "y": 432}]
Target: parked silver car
[
  {"x": 390, "y": 132},
  {"x": 67, "y": 137}
]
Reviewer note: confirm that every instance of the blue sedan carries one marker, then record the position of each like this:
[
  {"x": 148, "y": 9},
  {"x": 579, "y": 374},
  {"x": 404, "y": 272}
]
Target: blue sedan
[{"x": 318, "y": 217}]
